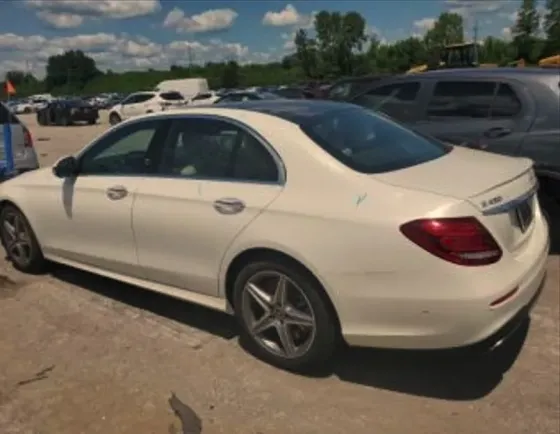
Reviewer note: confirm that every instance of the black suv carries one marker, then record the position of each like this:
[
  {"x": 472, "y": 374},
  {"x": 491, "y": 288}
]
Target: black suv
[{"x": 510, "y": 111}]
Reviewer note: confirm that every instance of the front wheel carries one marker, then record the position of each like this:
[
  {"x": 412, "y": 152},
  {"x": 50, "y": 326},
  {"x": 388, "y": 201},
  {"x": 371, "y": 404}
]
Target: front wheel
[
  {"x": 284, "y": 315},
  {"x": 19, "y": 241}
]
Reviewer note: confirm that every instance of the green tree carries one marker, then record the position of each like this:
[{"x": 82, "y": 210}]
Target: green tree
[
  {"x": 72, "y": 69},
  {"x": 448, "y": 29},
  {"x": 230, "y": 75},
  {"x": 306, "y": 53},
  {"x": 525, "y": 30},
  {"x": 552, "y": 27},
  {"x": 339, "y": 37}
]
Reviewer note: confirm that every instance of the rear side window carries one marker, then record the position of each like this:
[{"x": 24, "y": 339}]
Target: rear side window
[
  {"x": 171, "y": 96},
  {"x": 506, "y": 104},
  {"x": 6, "y": 116},
  {"x": 396, "y": 100},
  {"x": 202, "y": 96},
  {"x": 369, "y": 142},
  {"x": 340, "y": 91},
  {"x": 462, "y": 99}
]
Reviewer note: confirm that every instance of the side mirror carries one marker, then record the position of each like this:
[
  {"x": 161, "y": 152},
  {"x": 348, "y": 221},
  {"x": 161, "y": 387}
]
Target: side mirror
[{"x": 66, "y": 167}]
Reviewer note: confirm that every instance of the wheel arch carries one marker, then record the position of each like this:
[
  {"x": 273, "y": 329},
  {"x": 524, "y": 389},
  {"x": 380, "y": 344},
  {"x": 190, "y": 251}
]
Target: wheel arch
[
  {"x": 251, "y": 254},
  {"x": 9, "y": 202}
]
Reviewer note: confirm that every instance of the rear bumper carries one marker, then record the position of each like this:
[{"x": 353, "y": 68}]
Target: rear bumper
[{"x": 420, "y": 310}]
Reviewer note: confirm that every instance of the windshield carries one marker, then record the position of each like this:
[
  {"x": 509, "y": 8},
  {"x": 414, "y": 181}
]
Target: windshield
[{"x": 369, "y": 142}]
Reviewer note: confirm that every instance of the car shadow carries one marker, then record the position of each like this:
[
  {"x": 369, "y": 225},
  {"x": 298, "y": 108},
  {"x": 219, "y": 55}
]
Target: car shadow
[
  {"x": 458, "y": 375},
  {"x": 218, "y": 324},
  {"x": 465, "y": 374}
]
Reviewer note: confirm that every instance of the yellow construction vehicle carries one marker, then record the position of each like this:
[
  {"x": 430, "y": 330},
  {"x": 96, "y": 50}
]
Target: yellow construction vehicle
[
  {"x": 463, "y": 55},
  {"x": 552, "y": 61}
]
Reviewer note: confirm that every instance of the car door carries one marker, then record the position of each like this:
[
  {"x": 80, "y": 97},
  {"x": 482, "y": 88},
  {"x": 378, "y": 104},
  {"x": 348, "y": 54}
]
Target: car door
[
  {"x": 488, "y": 114},
  {"x": 215, "y": 178},
  {"x": 88, "y": 218},
  {"x": 127, "y": 105}
]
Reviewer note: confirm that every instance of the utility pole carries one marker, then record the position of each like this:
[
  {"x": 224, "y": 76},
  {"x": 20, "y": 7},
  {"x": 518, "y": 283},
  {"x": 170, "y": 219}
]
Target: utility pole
[{"x": 475, "y": 37}]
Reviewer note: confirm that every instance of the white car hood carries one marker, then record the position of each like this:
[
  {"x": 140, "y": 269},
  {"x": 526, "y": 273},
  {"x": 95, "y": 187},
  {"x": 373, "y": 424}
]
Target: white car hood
[{"x": 462, "y": 173}]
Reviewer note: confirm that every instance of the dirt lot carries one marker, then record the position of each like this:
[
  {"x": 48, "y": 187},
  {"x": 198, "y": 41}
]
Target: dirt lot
[{"x": 82, "y": 354}]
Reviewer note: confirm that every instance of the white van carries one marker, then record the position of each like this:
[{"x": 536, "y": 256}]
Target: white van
[{"x": 188, "y": 87}]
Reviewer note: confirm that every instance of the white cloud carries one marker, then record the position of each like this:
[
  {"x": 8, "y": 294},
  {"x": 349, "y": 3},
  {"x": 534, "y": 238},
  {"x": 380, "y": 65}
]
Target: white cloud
[
  {"x": 506, "y": 33},
  {"x": 289, "y": 16},
  {"x": 71, "y": 13},
  {"x": 208, "y": 21},
  {"x": 119, "y": 52},
  {"x": 424, "y": 24},
  {"x": 61, "y": 21}
]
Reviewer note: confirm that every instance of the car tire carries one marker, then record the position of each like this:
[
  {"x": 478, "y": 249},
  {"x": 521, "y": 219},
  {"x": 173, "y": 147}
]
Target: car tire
[
  {"x": 317, "y": 343},
  {"x": 114, "y": 119},
  {"x": 41, "y": 119},
  {"x": 92, "y": 121},
  {"x": 27, "y": 110},
  {"x": 28, "y": 257}
]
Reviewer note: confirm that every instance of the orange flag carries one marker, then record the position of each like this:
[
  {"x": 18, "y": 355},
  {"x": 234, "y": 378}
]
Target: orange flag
[{"x": 10, "y": 89}]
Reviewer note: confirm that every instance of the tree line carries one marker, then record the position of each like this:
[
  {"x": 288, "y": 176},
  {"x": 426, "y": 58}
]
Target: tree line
[{"x": 341, "y": 46}]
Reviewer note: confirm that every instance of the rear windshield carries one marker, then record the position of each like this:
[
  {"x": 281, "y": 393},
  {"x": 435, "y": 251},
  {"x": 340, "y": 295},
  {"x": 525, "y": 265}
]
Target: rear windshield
[
  {"x": 369, "y": 142},
  {"x": 171, "y": 96}
]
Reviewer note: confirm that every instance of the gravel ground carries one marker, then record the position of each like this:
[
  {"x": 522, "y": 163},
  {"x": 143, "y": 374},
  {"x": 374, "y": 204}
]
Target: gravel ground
[{"x": 82, "y": 354}]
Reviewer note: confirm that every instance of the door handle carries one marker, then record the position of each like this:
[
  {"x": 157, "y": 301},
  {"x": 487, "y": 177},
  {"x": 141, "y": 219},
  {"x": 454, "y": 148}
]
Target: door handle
[
  {"x": 229, "y": 206},
  {"x": 497, "y": 132},
  {"x": 117, "y": 192}
]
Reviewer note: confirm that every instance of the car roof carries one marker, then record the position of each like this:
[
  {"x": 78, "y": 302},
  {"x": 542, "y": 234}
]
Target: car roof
[
  {"x": 297, "y": 111},
  {"x": 488, "y": 72}
]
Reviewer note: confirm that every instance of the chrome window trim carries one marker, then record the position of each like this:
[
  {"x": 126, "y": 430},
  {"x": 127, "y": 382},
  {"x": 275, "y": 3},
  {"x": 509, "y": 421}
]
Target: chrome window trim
[{"x": 280, "y": 166}]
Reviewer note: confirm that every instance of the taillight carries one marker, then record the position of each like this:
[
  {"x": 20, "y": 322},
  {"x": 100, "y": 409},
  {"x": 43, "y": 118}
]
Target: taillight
[
  {"x": 463, "y": 240},
  {"x": 27, "y": 138}
]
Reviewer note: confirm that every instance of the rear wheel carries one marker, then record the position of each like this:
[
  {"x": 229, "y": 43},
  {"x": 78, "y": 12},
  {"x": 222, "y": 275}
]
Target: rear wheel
[
  {"x": 41, "y": 118},
  {"x": 114, "y": 118},
  {"x": 92, "y": 121},
  {"x": 284, "y": 315},
  {"x": 19, "y": 241}
]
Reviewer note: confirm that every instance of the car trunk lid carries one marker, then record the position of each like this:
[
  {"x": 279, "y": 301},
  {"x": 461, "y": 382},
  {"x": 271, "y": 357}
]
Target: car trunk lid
[{"x": 501, "y": 188}]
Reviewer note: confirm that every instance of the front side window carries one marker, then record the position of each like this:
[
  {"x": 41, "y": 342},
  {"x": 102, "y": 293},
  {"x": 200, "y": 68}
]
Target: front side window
[
  {"x": 462, "y": 99},
  {"x": 125, "y": 151},
  {"x": 216, "y": 149},
  {"x": 144, "y": 97},
  {"x": 370, "y": 143}
]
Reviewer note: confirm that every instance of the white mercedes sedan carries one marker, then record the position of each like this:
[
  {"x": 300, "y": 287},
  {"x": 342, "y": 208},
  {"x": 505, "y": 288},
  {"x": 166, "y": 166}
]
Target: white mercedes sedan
[{"x": 309, "y": 220}]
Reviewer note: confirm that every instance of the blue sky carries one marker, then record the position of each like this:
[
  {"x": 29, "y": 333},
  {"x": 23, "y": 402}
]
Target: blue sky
[{"x": 136, "y": 34}]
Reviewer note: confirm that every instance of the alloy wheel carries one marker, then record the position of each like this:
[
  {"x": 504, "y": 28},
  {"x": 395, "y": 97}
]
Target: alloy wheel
[
  {"x": 17, "y": 239},
  {"x": 278, "y": 314}
]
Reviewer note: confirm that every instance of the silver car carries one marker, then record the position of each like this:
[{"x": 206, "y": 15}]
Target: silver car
[{"x": 25, "y": 157}]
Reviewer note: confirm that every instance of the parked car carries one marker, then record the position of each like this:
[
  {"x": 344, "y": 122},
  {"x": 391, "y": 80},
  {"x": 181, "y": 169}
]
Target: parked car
[
  {"x": 140, "y": 103},
  {"x": 246, "y": 96},
  {"x": 204, "y": 98},
  {"x": 509, "y": 111},
  {"x": 391, "y": 256},
  {"x": 67, "y": 112},
  {"x": 25, "y": 157},
  {"x": 347, "y": 88}
]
